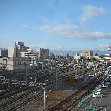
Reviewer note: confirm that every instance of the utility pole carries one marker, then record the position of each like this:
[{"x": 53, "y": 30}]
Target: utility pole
[
  {"x": 56, "y": 78},
  {"x": 44, "y": 88},
  {"x": 44, "y": 97}
]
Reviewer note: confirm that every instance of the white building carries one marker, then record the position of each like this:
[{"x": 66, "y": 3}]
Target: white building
[
  {"x": 14, "y": 63},
  {"x": 33, "y": 56},
  {"x": 13, "y": 52}
]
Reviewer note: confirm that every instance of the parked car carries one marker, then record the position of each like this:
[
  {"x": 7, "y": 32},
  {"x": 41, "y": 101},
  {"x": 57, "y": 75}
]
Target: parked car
[{"x": 97, "y": 95}]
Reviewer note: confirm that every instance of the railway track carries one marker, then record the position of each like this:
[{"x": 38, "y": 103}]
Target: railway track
[
  {"x": 12, "y": 91},
  {"x": 17, "y": 99},
  {"x": 70, "y": 102}
]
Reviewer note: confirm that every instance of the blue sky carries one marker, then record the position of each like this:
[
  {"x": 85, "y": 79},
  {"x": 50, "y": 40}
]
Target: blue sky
[{"x": 56, "y": 24}]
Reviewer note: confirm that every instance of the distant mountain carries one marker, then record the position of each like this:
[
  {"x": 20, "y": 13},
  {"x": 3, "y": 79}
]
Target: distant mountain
[
  {"x": 3, "y": 48},
  {"x": 72, "y": 53},
  {"x": 65, "y": 52}
]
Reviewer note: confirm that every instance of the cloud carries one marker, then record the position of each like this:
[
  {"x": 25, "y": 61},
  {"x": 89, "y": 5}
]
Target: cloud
[
  {"x": 45, "y": 20},
  {"x": 69, "y": 30},
  {"x": 24, "y": 26},
  {"x": 90, "y": 11},
  {"x": 76, "y": 31},
  {"x": 5, "y": 38},
  {"x": 43, "y": 27}
]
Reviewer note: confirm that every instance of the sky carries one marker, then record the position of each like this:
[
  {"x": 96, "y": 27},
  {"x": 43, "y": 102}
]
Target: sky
[{"x": 56, "y": 24}]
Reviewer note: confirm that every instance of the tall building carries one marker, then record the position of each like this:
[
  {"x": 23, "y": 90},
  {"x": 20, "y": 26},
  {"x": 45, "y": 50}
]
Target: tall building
[
  {"x": 15, "y": 61},
  {"x": 21, "y": 46},
  {"x": 44, "y": 53},
  {"x": 13, "y": 52}
]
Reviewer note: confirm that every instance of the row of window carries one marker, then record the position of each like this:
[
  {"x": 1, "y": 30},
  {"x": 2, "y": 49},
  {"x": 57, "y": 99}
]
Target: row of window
[{"x": 20, "y": 63}]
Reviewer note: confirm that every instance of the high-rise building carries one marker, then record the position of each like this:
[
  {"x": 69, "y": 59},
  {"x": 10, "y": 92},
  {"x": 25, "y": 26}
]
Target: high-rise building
[
  {"x": 21, "y": 46},
  {"x": 13, "y": 52}
]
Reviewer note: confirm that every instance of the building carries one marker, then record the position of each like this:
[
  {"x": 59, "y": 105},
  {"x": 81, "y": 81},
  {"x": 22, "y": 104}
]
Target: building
[
  {"x": 44, "y": 53},
  {"x": 51, "y": 56},
  {"x": 88, "y": 54},
  {"x": 13, "y": 52},
  {"x": 3, "y": 52},
  {"x": 21, "y": 46},
  {"x": 14, "y": 63},
  {"x": 77, "y": 57},
  {"x": 31, "y": 55}
]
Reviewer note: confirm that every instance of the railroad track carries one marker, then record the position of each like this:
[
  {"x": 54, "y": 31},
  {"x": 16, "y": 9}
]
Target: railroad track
[
  {"x": 17, "y": 99},
  {"x": 70, "y": 102},
  {"x": 13, "y": 91}
]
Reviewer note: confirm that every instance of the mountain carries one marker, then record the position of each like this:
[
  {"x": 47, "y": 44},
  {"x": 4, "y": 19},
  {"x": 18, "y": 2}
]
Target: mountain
[{"x": 72, "y": 53}]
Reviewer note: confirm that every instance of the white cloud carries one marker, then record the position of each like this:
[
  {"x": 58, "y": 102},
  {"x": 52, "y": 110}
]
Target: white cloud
[
  {"x": 43, "y": 27},
  {"x": 90, "y": 11},
  {"x": 70, "y": 30},
  {"x": 73, "y": 31}
]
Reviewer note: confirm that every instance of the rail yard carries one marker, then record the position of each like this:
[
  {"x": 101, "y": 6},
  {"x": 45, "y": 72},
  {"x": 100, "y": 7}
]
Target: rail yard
[{"x": 62, "y": 89}]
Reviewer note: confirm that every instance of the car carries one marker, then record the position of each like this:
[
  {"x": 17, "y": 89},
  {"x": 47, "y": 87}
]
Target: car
[
  {"x": 2, "y": 78},
  {"x": 103, "y": 85},
  {"x": 99, "y": 90},
  {"x": 97, "y": 95},
  {"x": 108, "y": 83}
]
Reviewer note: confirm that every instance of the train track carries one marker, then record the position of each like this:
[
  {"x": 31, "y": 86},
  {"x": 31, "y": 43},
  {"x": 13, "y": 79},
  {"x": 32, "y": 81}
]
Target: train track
[
  {"x": 70, "y": 102},
  {"x": 17, "y": 99},
  {"x": 21, "y": 101},
  {"x": 12, "y": 91}
]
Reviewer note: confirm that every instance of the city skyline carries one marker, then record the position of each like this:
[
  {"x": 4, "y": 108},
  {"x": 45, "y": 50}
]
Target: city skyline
[{"x": 56, "y": 24}]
